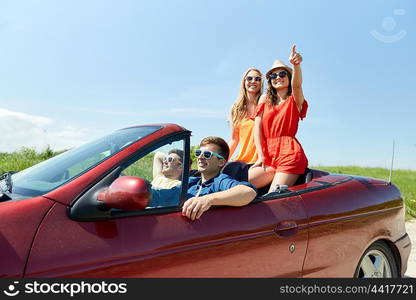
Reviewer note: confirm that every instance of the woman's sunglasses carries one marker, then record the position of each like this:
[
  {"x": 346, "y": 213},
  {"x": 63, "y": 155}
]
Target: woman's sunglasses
[
  {"x": 250, "y": 78},
  {"x": 207, "y": 154},
  {"x": 281, "y": 74}
]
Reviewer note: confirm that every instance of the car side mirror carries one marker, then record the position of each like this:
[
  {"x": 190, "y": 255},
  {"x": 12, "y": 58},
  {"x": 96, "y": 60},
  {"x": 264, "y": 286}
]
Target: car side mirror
[{"x": 127, "y": 193}]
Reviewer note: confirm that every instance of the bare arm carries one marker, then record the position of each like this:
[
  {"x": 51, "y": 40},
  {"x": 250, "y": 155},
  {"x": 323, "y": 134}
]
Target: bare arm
[
  {"x": 295, "y": 58},
  {"x": 258, "y": 136},
  {"x": 158, "y": 163},
  {"x": 238, "y": 195},
  {"x": 233, "y": 143}
]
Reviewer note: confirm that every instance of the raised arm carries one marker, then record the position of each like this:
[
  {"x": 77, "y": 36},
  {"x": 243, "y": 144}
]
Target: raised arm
[
  {"x": 158, "y": 163},
  {"x": 295, "y": 59},
  {"x": 233, "y": 143},
  {"x": 238, "y": 195}
]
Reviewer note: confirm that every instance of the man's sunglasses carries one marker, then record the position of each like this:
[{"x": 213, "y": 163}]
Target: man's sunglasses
[
  {"x": 250, "y": 78},
  {"x": 281, "y": 74},
  {"x": 168, "y": 159},
  {"x": 207, "y": 154}
]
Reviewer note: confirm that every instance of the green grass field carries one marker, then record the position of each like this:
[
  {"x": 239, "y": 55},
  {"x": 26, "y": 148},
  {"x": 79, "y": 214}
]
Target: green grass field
[
  {"x": 24, "y": 158},
  {"x": 404, "y": 179}
]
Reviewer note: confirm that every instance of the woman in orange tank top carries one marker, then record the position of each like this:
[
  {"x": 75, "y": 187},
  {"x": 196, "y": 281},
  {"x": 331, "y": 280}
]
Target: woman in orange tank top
[
  {"x": 242, "y": 117},
  {"x": 281, "y": 158}
]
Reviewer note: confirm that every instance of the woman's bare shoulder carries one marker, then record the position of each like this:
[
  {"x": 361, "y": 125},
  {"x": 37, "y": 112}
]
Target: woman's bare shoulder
[{"x": 262, "y": 98}]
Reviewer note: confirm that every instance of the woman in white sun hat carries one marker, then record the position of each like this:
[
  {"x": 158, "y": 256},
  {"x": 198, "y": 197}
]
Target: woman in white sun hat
[{"x": 281, "y": 158}]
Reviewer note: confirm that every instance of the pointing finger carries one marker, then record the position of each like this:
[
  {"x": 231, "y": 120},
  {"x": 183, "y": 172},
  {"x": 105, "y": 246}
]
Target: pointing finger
[{"x": 293, "y": 49}]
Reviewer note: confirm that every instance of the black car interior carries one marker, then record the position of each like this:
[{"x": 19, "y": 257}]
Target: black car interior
[{"x": 239, "y": 171}]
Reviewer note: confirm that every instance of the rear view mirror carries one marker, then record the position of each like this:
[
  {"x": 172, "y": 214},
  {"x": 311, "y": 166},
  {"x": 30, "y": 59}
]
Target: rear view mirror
[{"x": 127, "y": 193}]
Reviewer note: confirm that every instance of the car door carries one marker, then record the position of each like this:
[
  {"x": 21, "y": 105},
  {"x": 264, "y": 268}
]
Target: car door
[
  {"x": 226, "y": 241},
  {"x": 265, "y": 238}
]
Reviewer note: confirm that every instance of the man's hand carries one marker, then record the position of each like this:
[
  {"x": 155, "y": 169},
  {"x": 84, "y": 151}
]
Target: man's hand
[
  {"x": 295, "y": 58},
  {"x": 194, "y": 207}
]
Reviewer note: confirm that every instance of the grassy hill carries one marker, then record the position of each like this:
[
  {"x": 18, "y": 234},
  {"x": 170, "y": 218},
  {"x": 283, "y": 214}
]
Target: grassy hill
[
  {"x": 404, "y": 179},
  {"x": 24, "y": 158}
]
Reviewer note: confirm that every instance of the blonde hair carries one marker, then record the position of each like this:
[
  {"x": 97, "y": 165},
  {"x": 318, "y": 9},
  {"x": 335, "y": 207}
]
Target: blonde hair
[{"x": 239, "y": 108}]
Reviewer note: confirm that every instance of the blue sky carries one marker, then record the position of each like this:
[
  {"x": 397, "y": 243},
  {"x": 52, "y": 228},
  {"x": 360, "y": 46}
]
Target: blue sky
[{"x": 72, "y": 71}]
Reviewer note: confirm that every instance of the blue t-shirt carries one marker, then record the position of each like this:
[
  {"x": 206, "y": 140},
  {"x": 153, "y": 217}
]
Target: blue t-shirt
[
  {"x": 221, "y": 182},
  {"x": 170, "y": 197}
]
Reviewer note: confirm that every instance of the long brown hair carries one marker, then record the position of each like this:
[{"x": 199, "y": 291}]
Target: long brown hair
[
  {"x": 239, "y": 108},
  {"x": 271, "y": 93}
]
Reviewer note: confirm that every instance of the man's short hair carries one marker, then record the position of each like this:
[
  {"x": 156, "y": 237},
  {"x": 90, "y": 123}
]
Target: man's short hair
[{"x": 223, "y": 148}]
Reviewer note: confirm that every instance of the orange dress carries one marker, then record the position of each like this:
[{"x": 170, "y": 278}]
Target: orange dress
[
  {"x": 281, "y": 149},
  {"x": 247, "y": 152}
]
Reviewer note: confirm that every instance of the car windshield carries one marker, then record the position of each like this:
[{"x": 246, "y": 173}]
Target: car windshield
[{"x": 56, "y": 171}]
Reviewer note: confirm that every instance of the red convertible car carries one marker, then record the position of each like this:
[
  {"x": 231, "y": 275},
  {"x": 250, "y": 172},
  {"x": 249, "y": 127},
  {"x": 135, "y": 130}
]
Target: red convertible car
[{"x": 85, "y": 213}]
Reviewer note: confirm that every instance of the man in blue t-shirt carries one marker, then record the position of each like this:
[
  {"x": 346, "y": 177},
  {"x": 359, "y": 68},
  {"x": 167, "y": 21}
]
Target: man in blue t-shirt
[{"x": 213, "y": 187}]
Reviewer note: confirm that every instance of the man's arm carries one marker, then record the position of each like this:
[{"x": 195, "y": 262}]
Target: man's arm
[
  {"x": 238, "y": 195},
  {"x": 158, "y": 163}
]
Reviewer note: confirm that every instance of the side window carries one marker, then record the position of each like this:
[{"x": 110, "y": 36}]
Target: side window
[{"x": 163, "y": 169}]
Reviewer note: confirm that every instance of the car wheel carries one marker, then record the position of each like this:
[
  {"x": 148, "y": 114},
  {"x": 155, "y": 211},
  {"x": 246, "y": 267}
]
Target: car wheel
[{"x": 377, "y": 262}]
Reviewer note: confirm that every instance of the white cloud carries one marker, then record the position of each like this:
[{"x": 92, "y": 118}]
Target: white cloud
[
  {"x": 23, "y": 130},
  {"x": 8, "y": 115}
]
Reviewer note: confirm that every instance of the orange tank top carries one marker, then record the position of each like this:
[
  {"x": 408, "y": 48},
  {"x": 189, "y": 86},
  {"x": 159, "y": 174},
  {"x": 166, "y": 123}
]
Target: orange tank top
[{"x": 247, "y": 152}]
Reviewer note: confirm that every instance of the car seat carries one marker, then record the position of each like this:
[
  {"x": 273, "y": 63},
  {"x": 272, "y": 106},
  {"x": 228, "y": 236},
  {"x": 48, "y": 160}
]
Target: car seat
[{"x": 237, "y": 170}]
